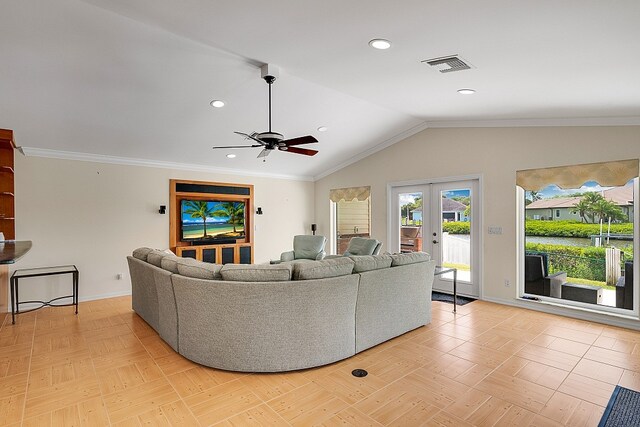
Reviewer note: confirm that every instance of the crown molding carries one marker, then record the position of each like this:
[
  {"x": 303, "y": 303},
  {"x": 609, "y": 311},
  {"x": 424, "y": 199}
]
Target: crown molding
[
  {"x": 387, "y": 143},
  {"x": 578, "y": 121},
  {"x": 100, "y": 158},
  {"x": 561, "y": 122}
]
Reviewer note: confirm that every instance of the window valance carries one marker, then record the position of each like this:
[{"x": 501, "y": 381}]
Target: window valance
[
  {"x": 348, "y": 194},
  {"x": 607, "y": 174}
]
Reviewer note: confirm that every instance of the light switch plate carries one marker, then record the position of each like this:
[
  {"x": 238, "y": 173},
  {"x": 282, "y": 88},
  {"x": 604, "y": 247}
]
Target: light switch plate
[{"x": 495, "y": 230}]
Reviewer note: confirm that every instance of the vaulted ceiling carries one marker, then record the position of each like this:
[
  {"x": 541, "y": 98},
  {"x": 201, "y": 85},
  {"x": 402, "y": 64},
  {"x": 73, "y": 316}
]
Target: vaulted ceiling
[{"x": 132, "y": 79}]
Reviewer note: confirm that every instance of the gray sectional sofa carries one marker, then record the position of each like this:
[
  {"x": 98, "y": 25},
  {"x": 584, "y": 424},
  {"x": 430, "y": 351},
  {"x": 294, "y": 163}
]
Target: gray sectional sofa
[{"x": 282, "y": 317}]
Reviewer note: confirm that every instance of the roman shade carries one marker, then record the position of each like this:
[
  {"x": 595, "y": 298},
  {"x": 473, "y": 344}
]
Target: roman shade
[
  {"x": 607, "y": 174},
  {"x": 348, "y": 194}
]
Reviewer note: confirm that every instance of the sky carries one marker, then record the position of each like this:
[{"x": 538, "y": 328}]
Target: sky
[
  {"x": 212, "y": 205},
  {"x": 411, "y": 197},
  {"x": 553, "y": 190},
  {"x": 457, "y": 193}
]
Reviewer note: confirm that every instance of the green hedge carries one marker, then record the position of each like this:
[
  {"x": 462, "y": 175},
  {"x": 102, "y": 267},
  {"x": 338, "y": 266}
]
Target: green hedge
[
  {"x": 456, "y": 227},
  {"x": 583, "y": 262},
  {"x": 571, "y": 228},
  {"x": 550, "y": 228}
]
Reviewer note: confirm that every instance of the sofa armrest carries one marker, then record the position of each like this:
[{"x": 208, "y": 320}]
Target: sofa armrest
[{"x": 287, "y": 256}]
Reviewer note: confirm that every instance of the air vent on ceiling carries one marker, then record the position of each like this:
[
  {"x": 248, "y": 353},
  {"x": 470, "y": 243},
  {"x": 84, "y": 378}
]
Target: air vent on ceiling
[{"x": 448, "y": 64}]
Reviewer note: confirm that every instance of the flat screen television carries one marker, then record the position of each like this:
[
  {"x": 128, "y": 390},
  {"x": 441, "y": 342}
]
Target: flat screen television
[{"x": 211, "y": 220}]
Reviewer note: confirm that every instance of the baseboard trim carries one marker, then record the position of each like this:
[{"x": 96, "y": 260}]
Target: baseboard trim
[
  {"x": 80, "y": 299},
  {"x": 607, "y": 319}
]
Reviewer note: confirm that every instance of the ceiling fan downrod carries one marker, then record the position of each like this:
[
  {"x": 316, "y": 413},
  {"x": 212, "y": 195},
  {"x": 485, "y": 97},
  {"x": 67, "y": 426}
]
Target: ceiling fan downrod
[{"x": 269, "y": 79}]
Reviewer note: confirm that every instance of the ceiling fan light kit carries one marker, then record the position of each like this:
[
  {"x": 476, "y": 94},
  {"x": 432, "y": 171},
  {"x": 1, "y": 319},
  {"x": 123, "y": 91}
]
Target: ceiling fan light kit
[{"x": 270, "y": 140}]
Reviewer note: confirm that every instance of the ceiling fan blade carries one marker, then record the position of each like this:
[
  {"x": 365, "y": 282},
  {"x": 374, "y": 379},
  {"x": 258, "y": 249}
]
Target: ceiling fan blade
[
  {"x": 237, "y": 146},
  {"x": 297, "y": 150},
  {"x": 299, "y": 141},
  {"x": 264, "y": 153},
  {"x": 252, "y": 136}
]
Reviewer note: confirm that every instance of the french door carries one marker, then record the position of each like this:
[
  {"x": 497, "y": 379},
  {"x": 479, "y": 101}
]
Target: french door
[{"x": 443, "y": 220}]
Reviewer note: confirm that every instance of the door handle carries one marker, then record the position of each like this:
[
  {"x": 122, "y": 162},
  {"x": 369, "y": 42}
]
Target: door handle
[{"x": 434, "y": 241}]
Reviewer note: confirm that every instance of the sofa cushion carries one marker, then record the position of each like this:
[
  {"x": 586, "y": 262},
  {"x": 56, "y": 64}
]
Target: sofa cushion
[
  {"x": 190, "y": 267},
  {"x": 170, "y": 263},
  {"x": 256, "y": 272},
  {"x": 361, "y": 246},
  {"x": 142, "y": 253},
  {"x": 323, "y": 269},
  {"x": 155, "y": 257},
  {"x": 364, "y": 263},
  {"x": 409, "y": 258}
]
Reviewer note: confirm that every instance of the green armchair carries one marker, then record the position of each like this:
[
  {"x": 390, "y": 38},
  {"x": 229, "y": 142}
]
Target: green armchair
[
  {"x": 361, "y": 246},
  {"x": 306, "y": 247}
]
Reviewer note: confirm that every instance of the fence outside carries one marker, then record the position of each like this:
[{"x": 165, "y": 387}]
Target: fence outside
[
  {"x": 456, "y": 249},
  {"x": 606, "y": 269}
]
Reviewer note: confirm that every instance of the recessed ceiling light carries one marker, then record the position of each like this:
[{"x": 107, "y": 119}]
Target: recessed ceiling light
[
  {"x": 217, "y": 103},
  {"x": 231, "y": 156},
  {"x": 323, "y": 129},
  {"x": 466, "y": 91},
  {"x": 381, "y": 44}
]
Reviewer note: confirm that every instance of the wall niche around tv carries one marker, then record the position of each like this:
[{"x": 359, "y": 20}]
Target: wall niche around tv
[{"x": 211, "y": 221}]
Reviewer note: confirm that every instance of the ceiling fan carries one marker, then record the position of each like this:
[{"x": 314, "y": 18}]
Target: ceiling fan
[{"x": 270, "y": 141}]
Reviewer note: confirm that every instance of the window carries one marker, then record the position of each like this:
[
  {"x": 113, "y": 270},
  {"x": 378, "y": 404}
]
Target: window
[{"x": 586, "y": 256}]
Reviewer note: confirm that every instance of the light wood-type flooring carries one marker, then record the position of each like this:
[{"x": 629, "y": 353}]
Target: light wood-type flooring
[{"x": 487, "y": 365}]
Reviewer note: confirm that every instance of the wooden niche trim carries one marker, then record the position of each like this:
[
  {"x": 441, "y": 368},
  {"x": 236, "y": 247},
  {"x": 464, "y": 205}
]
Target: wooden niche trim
[{"x": 204, "y": 190}]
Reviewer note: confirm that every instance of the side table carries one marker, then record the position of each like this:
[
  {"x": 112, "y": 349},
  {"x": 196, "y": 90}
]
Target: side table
[
  {"x": 443, "y": 270},
  {"x": 39, "y": 272}
]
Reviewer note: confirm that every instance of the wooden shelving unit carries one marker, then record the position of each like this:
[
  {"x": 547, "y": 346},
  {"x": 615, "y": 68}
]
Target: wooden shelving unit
[
  {"x": 7, "y": 196},
  {"x": 7, "y": 208},
  {"x": 240, "y": 252}
]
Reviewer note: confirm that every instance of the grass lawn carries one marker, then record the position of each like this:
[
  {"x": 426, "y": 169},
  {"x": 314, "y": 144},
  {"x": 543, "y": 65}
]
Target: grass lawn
[
  {"x": 602, "y": 285},
  {"x": 461, "y": 267}
]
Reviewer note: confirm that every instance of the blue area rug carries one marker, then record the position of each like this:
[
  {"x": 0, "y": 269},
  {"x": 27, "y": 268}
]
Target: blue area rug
[
  {"x": 439, "y": 296},
  {"x": 623, "y": 409}
]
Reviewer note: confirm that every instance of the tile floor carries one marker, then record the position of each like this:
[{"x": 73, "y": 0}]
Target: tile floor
[{"x": 487, "y": 365}]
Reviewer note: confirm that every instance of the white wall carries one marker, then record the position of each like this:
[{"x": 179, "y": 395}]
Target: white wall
[
  {"x": 93, "y": 215},
  {"x": 496, "y": 154}
]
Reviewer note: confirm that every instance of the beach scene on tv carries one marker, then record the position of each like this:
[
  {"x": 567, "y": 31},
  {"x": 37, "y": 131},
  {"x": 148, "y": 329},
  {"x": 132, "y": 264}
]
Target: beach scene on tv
[{"x": 208, "y": 220}]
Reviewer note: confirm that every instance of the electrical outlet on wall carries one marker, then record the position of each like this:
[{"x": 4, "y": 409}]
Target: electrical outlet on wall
[
  {"x": 493, "y": 229},
  {"x": 507, "y": 283}
]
